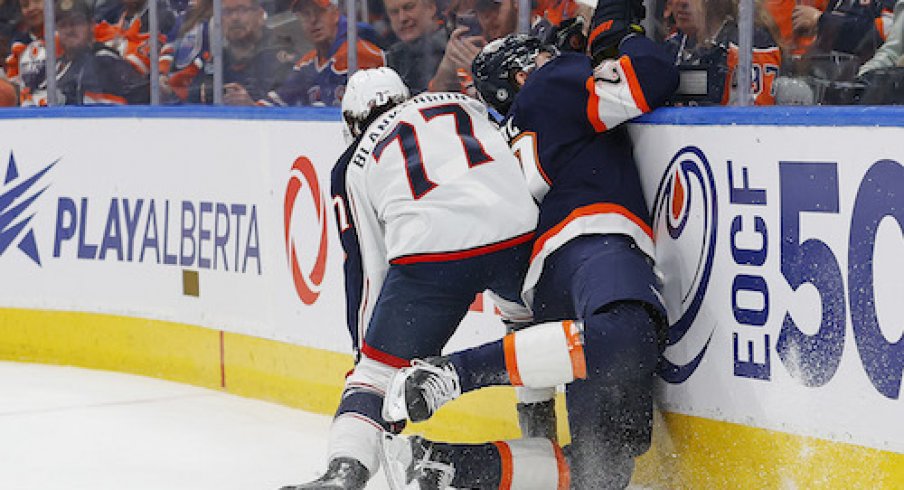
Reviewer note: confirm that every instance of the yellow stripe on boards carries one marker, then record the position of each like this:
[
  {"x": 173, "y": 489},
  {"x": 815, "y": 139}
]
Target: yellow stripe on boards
[
  {"x": 688, "y": 452},
  {"x": 160, "y": 349},
  {"x": 695, "y": 453}
]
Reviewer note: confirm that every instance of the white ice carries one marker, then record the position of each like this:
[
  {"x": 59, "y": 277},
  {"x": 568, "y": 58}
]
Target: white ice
[
  {"x": 73, "y": 429},
  {"x": 82, "y": 429}
]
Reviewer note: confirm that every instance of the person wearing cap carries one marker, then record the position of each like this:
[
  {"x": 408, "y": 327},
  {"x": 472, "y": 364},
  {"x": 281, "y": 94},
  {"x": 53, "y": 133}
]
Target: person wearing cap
[
  {"x": 422, "y": 41},
  {"x": 319, "y": 77},
  {"x": 89, "y": 72},
  {"x": 255, "y": 60}
]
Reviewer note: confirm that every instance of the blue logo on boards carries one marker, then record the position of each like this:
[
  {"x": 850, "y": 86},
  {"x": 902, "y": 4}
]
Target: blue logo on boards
[
  {"x": 685, "y": 221},
  {"x": 18, "y": 194}
]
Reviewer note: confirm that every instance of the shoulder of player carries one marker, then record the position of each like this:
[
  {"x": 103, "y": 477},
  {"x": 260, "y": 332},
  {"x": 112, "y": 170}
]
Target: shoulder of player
[{"x": 550, "y": 78}]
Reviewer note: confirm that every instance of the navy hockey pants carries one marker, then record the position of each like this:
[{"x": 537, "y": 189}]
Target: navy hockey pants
[
  {"x": 421, "y": 304},
  {"x": 605, "y": 281}
]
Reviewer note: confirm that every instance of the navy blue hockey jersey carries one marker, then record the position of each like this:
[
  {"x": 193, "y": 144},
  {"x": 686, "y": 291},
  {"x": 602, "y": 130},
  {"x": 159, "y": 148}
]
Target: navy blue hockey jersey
[{"x": 564, "y": 126}]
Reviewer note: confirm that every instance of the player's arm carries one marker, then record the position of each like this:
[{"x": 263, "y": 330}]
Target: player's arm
[{"x": 632, "y": 75}]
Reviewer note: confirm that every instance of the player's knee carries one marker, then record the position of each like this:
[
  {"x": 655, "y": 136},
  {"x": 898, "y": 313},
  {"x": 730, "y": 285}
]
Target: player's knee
[
  {"x": 370, "y": 374},
  {"x": 621, "y": 340}
]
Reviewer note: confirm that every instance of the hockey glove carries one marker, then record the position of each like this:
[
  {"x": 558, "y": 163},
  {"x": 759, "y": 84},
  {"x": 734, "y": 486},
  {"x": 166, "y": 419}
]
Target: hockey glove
[
  {"x": 568, "y": 35},
  {"x": 612, "y": 21}
]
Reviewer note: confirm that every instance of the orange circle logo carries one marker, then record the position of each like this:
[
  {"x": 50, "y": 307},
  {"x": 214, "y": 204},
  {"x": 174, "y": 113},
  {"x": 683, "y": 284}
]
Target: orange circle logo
[{"x": 307, "y": 284}]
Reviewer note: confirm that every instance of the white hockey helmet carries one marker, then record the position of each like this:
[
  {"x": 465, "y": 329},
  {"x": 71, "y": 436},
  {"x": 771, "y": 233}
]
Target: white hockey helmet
[{"x": 370, "y": 93}]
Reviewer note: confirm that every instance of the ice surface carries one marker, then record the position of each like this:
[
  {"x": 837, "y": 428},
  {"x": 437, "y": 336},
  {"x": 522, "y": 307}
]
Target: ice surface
[
  {"x": 82, "y": 429},
  {"x": 64, "y": 427}
]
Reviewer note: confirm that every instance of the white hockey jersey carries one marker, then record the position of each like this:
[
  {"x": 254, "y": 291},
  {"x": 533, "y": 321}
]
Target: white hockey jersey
[{"x": 431, "y": 180}]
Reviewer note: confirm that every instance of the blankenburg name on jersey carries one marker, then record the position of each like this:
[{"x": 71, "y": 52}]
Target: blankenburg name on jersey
[{"x": 377, "y": 130}]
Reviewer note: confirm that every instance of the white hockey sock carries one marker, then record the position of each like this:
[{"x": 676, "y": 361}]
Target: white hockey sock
[
  {"x": 533, "y": 464},
  {"x": 545, "y": 355}
]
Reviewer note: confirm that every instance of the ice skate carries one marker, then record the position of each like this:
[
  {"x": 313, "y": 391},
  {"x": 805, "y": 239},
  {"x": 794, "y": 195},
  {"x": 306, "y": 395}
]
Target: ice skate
[
  {"x": 342, "y": 474},
  {"x": 416, "y": 393},
  {"x": 409, "y": 464}
]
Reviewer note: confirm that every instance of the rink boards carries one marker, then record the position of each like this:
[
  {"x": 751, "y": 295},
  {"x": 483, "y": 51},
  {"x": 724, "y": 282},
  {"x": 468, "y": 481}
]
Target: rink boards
[{"x": 200, "y": 246}]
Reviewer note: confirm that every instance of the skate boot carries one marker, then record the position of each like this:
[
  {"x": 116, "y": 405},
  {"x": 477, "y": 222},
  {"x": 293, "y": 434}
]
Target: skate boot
[
  {"x": 416, "y": 393},
  {"x": 410, "y": 464},
  {"x": 342, "y": 474}
]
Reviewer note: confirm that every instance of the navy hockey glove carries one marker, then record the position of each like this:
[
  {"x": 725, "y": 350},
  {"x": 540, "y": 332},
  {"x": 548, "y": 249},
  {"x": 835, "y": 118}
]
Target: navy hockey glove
[
  {"x": 568, "y": 35},
  {"x": 612, "y": 21}
]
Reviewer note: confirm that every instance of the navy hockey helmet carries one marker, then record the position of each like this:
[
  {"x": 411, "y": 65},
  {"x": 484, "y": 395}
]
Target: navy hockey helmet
[{"x": 499, "y": 61}]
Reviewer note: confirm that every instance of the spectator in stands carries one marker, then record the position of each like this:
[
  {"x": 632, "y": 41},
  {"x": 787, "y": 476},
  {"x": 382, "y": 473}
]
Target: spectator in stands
[
  {"x": 473, "y": 23},
  {"x": 792, "y": 42},
  {"x": 498, "y": 18},
  {"x": 891, "y": 53},
  {"x": 187, "y": 51},
  {"x": 465, "y": 41},
  {"x": 287, "y": 28},
  {"x": 255, "y": 62},
  {"x": 124, "y": 26},
  {"x": 89, "y": 72},
  {"x": 319, "y": 77},
  {"x": 422, "y": 41},
  {"x": 855, "y": 27},
  {"x": 30, "y": 29},
  {"x": 707, "y": 38}
]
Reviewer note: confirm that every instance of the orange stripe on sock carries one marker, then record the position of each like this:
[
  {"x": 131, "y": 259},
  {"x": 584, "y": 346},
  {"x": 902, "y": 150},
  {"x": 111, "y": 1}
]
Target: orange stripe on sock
[
  {"x": 562, "y": 465},
  {"x": 575, "y": 349},
  {"x": 508, "y": 465},
  {"x": 511, "y": 360}
]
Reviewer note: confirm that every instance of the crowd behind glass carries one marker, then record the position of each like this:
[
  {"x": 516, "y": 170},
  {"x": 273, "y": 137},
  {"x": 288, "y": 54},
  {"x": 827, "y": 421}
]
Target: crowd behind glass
[{"x": 300, "y": 52}]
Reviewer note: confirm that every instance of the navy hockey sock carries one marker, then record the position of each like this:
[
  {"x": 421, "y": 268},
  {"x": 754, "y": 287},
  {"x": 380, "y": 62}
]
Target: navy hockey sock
[
  {"x": 481, "y": 366},
  {"x": 476, "y": 465}
]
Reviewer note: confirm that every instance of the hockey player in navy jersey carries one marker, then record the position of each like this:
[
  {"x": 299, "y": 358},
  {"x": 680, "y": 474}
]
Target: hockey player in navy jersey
[
  {"x": 592, "y": 262},
  {"x": 429, "y": 217}
]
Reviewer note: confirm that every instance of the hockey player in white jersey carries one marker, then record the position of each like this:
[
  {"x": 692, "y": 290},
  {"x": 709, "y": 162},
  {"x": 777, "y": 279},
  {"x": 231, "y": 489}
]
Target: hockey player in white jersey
[{"x": 432, "y": 210}]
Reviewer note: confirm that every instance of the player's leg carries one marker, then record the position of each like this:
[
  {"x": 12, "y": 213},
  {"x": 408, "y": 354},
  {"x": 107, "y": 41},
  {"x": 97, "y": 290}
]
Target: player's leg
[
  {"x": 526, "y": 464},
  {"x": 610, "y": 412},
  {"x": 542, "y": 356},
  {"x": 418, "y": 309}
]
